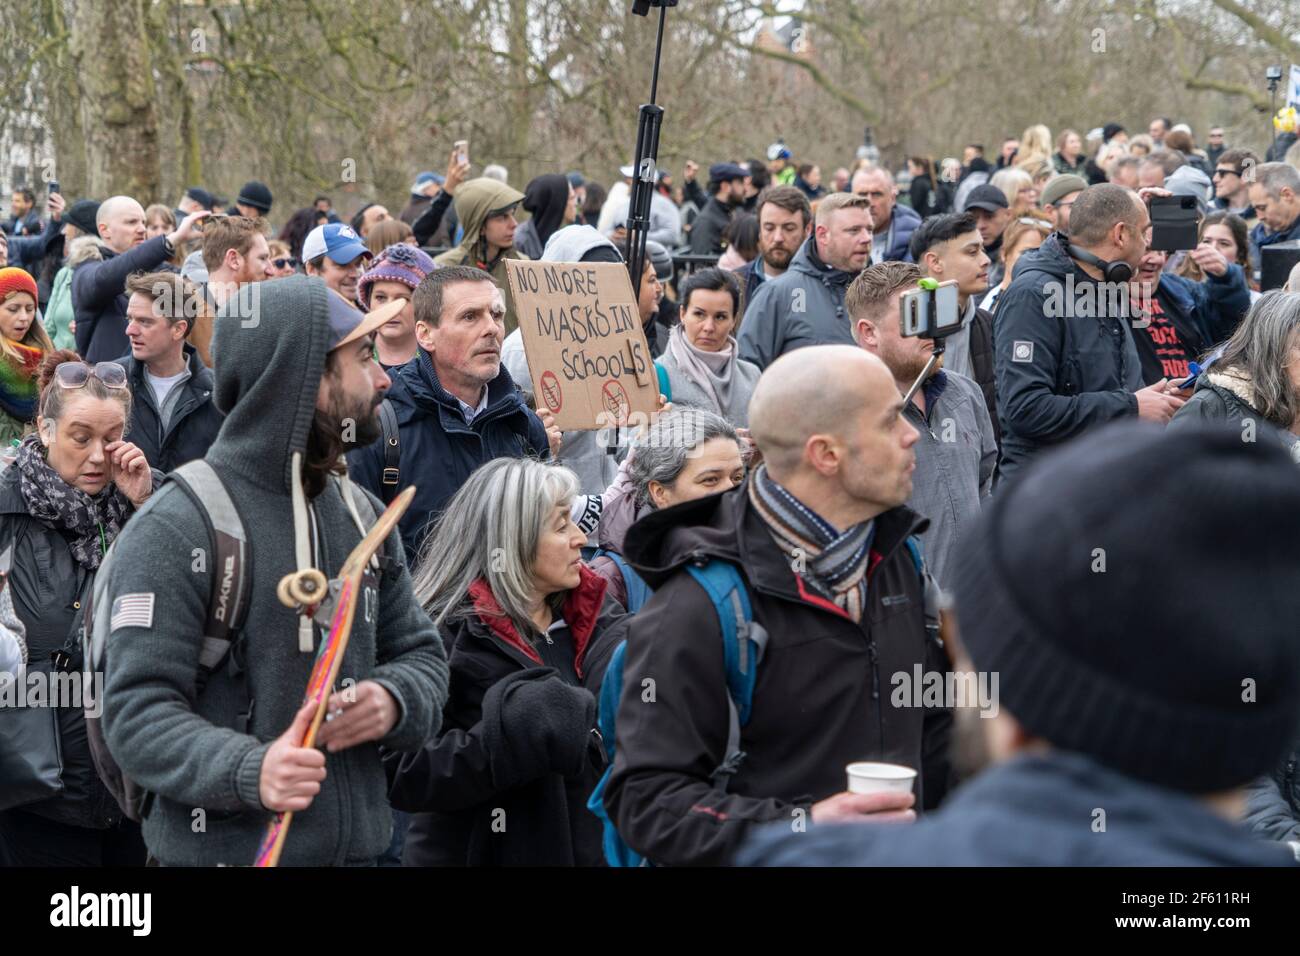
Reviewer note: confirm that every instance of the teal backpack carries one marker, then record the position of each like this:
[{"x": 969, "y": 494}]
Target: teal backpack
[{"x": 743, "y": 645}]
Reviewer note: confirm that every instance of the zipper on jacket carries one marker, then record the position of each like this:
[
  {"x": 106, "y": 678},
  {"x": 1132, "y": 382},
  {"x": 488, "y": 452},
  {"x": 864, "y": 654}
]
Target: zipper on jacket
[
  {"x": 1288, "y": 784},
  {"x": 875, "y": 694}
]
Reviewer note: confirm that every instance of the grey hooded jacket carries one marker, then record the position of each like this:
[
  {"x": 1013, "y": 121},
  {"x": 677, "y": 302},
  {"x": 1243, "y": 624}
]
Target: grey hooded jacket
[
  {"x": 184, "y": 749},
  {"x": 802, "y": 306}
]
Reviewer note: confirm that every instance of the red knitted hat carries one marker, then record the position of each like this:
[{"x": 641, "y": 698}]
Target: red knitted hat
[{"x": 16, "y": 280}]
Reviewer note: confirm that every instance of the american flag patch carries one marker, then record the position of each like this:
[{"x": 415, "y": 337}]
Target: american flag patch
[{"x": 132, "y": 610}]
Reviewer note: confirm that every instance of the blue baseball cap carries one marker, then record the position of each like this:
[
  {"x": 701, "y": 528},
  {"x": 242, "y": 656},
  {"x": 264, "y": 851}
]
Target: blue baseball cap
[
  {"x": 423, "y": 179},
  {"x": 334, "y": 239}
]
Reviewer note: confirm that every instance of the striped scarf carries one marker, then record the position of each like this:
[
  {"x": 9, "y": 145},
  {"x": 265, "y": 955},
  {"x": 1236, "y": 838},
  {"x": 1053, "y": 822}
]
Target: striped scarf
[
  {"x": 835, "y": 561},
  {"x": 18, "y": 380}
]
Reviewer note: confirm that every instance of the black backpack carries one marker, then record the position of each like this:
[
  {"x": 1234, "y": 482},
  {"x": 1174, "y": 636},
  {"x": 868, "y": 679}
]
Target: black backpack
[
  {"x": 227, "y": 606},
  {"x": 391, "y": 479}
]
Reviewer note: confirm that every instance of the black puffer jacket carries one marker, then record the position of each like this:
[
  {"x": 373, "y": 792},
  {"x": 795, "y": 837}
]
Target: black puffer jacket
[
  {"x": 822, "y": 698},
  {"x": 47, "y": 585},
  {"x": 506, "y": 780},
  {"x": 1226, "y": 396},
  {"x": 99, "y": 296}
]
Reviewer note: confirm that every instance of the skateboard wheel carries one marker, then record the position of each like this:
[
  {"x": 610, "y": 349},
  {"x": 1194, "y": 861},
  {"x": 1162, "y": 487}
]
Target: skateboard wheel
[
  {"x": 307, "y": 587},
  {"x": 282, "y": 592}
]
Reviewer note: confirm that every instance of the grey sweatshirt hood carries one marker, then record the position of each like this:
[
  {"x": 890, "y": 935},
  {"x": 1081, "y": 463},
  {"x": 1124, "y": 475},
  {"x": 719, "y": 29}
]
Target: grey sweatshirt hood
[
  {"x": 571, "y": 243},
  {"x": 271, "y": 335}
]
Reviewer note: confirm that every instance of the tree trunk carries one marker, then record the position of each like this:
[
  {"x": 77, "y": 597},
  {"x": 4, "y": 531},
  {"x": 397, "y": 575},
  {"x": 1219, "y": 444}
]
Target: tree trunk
[
  {"x": 518, "y": 105},
  {"x": 62, "y": 114},
  {"x": 118, "y": 114}
]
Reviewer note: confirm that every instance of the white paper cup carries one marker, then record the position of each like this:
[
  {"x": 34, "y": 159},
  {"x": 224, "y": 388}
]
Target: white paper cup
[{"x": 880, "y": 778}]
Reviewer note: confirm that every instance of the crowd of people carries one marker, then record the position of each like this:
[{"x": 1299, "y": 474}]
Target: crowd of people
[{"x": 666, "y": 643}]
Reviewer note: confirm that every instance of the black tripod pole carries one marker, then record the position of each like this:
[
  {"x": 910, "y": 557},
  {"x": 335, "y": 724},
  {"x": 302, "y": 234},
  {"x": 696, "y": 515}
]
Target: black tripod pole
[{"x": 644, "y": 171}]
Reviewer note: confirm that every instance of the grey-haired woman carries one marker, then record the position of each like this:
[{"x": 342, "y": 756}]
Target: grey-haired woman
[
  {"x": 687, "y": 454},
  {"x": 507, "y": 777},
  {"x": 1254, "y": 381}
]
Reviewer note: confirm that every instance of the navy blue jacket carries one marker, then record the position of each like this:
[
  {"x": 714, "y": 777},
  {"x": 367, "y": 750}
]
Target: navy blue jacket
[
  {"x": 1033, "y": 811},
  {"x": 99, "y": 297},
  {"x": 751, "y": 276},
  {"x": 903, "y": 221},
  {"x": 438, "y": 450},
  {"x": 1057, "y": 376},
  {"x": 1217, "y": 304},
  {"x": 194, "y": 423},
  {"x": 28, "y": 251},
  {"x": 28, "y": 225}
]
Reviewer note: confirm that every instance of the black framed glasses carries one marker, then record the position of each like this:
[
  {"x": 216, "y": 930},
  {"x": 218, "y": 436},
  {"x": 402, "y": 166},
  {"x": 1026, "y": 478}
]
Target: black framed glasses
[
  {"x": 285, "y": 262},
  {"x": 1225, "y": 172},
  {"x": 77, "y": 374}
]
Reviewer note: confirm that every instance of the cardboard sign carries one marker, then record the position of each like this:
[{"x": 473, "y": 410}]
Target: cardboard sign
[{"x": 587, "y": 354}]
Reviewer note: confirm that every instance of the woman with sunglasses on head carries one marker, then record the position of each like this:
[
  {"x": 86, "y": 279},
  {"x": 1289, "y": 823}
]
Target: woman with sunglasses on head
[
  {"x": 73, "y": 485},
  {"x": 23, "y": 343}
]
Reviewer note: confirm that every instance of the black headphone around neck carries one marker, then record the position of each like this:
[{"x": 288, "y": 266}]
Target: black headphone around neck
[{"x": 1111, "y": 271}]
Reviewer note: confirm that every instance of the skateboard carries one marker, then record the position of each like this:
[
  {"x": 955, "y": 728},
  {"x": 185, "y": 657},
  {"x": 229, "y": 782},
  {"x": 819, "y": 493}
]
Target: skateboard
[{"x": 332, "y": 605}]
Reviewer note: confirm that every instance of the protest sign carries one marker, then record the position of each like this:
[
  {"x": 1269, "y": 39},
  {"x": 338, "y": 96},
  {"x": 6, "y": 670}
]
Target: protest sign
[{"x": 587, "y": 354}]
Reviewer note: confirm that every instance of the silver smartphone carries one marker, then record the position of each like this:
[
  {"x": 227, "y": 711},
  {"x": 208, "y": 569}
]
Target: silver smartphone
[{"x": 930, "y": 314}]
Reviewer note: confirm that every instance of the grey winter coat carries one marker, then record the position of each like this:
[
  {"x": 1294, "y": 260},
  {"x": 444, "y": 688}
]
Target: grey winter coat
[
  {"x": 185, "y": 748},
  {"x": 803, "y": 306},
  {"x": 582, "y": 451},
  {"x": 955, "y": 459}
]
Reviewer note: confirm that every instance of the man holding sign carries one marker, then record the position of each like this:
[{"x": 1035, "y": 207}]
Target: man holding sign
[{"x": 456, "y": 407}]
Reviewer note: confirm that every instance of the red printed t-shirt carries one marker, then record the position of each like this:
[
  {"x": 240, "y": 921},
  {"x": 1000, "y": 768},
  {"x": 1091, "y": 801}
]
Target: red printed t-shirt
[{"x": 1163, "y": 353}]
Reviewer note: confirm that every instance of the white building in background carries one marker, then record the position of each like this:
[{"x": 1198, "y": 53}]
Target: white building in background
[{"x": 26, "y": 154}]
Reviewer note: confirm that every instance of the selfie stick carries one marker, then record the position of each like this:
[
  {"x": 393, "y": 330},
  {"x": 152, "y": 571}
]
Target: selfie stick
[
  {"x": 644, "y": 169},
  {"x": 930, "y": 285}
]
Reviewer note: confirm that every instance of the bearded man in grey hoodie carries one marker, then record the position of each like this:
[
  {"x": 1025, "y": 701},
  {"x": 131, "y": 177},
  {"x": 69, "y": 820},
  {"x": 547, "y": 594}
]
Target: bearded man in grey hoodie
[{"x": 296, "y": 381}]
